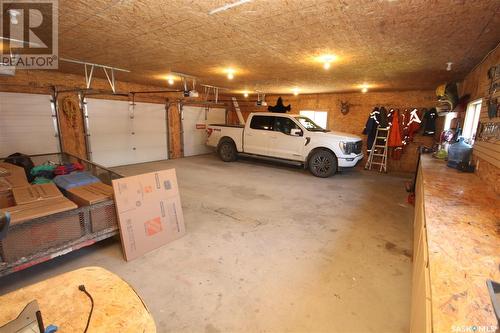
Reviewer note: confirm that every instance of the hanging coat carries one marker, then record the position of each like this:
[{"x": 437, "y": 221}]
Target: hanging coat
[
  {"x": 429, "y": 122},
  {"x": 413, "y": 124},
  {"x": 383, "y": 118},
  {"x": 394, "y": 139},
  {"x": 371, "y": 127}
]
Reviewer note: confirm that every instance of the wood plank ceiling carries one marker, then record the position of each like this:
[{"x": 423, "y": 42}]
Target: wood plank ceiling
[{"x": 389, "y": 44}]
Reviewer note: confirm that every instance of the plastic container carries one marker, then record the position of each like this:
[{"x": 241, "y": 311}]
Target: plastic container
[
  {"x": 459, "y": 154},
  {"x": 67, "y": 182}
]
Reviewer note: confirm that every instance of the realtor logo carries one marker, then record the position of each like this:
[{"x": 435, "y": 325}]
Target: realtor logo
[{"x": 28, "y": 34}]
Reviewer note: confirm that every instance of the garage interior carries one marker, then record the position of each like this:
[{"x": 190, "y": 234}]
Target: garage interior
[{"x": 404, "y": 240}]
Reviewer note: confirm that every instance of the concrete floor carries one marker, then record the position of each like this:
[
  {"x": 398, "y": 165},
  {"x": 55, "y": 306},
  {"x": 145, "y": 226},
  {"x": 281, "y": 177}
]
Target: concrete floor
[{"x": 269, "y": 248}]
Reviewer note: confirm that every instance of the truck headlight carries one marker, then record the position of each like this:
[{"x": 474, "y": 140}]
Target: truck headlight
[
  {"x": 342, "y": 146},
  {"x": 348, "y": 147}
]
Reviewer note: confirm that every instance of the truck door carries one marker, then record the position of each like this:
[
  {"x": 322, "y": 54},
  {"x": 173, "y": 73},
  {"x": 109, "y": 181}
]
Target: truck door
[
  {"x": 257, "y": 136},
  {"x": 287, "y": 139}
]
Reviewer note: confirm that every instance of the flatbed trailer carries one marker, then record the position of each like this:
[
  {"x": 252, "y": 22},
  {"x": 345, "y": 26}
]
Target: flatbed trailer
[{"x": 94, "y": 223}]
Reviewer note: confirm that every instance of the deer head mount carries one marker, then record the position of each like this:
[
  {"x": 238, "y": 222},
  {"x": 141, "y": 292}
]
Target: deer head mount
[{"x": 344, "y": 107}]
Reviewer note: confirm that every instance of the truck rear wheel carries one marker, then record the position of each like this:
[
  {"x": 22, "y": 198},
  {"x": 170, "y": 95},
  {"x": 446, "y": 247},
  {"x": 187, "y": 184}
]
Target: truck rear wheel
[
  {"x": 323, "y": 163},
  {"x": 227, "y": 151}
]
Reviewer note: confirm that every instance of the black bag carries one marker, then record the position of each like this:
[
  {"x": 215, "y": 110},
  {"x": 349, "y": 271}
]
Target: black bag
[{"x": 23, "y": 161}]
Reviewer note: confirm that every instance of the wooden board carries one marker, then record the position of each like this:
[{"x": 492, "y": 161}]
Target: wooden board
[
  {"x": 117, "y": 306},
  {"x": 461, "y": 219}
]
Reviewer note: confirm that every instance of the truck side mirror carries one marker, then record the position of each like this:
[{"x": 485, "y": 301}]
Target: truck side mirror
[{"x": 296, "y": 132}]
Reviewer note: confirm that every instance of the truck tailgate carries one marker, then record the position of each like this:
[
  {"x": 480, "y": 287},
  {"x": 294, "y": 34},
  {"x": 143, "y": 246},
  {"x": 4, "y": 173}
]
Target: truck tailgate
[{"x": 216, "y": 132}]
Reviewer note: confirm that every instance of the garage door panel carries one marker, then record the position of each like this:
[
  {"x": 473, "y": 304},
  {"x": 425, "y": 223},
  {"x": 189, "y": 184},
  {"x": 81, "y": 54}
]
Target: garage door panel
[
  {"x": 121, "y": 134},
  {"x": 26, "y": 124},
  {"x": 194, "y": 120},
  {"x": 109, "y": 141}
]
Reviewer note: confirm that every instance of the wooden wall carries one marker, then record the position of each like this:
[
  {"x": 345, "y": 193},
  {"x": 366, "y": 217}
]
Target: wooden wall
[
  {"x": 486, "y": 154},
  {"x": 71, "y": 125},
  {"x": 353, "y": 122}
]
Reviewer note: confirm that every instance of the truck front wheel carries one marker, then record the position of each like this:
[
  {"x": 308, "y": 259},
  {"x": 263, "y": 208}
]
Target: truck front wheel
[
  {"x": 227, "y": 151},
  {"x": 323, "y": 163}
]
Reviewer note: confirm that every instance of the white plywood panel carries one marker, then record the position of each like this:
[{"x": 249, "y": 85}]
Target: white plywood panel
[
  {"x": 194, "y": 121},
  {"x": 26, "y": 124},
  {"x": 121, "y": 134}
]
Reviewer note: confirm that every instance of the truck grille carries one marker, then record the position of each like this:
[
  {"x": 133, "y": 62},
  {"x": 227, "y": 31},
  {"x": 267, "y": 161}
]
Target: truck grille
[
  {"x": 357, "y": 147},
  {"x": 354, "y": 147}
]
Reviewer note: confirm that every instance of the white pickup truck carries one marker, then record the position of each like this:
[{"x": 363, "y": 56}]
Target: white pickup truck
[{"x": 286, "y": 137}]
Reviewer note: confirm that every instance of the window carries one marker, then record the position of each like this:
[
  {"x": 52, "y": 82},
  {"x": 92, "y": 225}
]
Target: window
[
  {"x": 284, "y": 125},
  {"x": 309, "y": 124},
  {"x": 448, "y": 119},
  {"x": 262, "y": 123},
  {"x": 319, "y": 117},
  {"x": 471, "y": 121}
]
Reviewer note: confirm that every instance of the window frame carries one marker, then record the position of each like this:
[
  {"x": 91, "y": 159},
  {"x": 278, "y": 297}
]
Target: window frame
[
  {"x": 471, "y": 120},
  {"x": 314, "y": 116},
  {"x": 289, "y": 119},
  {"x": 262, "y": 129}
]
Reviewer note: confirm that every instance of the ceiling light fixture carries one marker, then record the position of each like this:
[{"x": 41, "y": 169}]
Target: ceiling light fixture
[
  {"x": 170, "y": 80},
  {"x": 230, "y": 73},
  {"x": 295, "y": 91},
  {"x": 364, "y": 88},
  {"x": 245, "y": 94},
  {"x": 228, "y": 6},
  {"x": 327, "y": 60}
]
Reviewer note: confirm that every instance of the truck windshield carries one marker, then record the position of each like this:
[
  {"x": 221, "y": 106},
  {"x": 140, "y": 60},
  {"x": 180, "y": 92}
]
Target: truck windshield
[{"x": 310, "y": 125}]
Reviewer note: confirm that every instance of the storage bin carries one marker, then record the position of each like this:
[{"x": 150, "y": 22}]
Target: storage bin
[{"x": 75, "y": 179}]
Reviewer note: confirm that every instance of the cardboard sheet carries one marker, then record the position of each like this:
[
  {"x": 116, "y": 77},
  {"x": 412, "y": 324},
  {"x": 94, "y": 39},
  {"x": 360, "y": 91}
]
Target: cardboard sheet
[
  {"x": 37, "y": 192},
  {"x": 90, "y": 194},
  {"x": 35, "y": 209},
  {"x": 16, "y": 178},
  {"x": 149, "y": 211}
]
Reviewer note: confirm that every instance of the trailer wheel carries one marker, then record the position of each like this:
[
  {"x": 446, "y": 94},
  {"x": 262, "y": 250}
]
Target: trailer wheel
[
  {"x": 227, "y": 150},
  {"x": 323, "y": 163}
]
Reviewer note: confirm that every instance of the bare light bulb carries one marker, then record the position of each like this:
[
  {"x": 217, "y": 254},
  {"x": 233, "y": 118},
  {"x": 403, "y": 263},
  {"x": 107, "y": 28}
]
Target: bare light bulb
[
  {"x": 326, "y": 65},
  {"x": 230, "y": 75},
  {"x": 364, "y": 90},
  {"x": 170, "y": 81},
  {"x": 245, "y": 95}
]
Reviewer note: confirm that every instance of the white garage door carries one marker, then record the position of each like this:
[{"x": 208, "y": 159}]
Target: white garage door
[
  {"x": 122, "y": 134},
  {"x": 26, "y": 124},
  {"x": 194, "y": 121}
]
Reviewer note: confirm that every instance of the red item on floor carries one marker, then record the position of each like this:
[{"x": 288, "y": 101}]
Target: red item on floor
[{"x": 411, "y": 198}]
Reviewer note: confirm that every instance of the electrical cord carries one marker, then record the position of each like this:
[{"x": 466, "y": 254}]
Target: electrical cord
[{"x": 82, "y": 288}]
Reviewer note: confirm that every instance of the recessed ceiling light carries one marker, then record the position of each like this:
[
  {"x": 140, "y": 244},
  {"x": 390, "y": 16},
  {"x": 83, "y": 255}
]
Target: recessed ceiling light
[
  {"x": 327, "y": 60},
  {"x": 230, "y": 73},
  {"x": 228, "y": 6}
]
